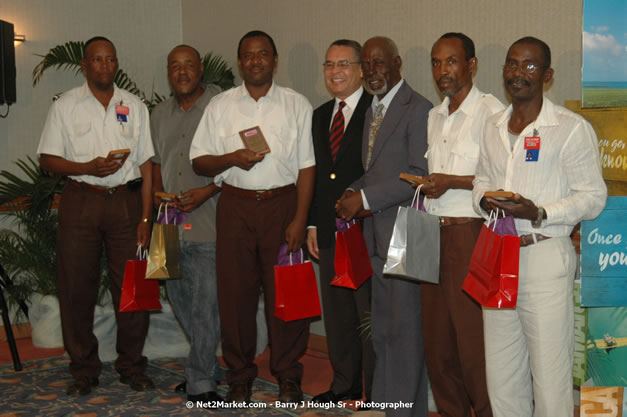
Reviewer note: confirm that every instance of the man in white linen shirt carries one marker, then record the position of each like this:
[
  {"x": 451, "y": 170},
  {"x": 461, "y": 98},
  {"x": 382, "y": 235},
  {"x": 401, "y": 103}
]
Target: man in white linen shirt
[
  {"x": 548, "y": 156},
  {"x": 265, "y": 201},
  {"x": 451, "y": 319},
  {"x": 100, "y": 205}
]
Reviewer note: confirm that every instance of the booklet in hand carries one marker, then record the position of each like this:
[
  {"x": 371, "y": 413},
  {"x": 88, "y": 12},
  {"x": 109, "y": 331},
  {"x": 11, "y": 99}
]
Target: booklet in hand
[
  {"x": 254, "y": 140},
  {"x": 119, "y": 155}
]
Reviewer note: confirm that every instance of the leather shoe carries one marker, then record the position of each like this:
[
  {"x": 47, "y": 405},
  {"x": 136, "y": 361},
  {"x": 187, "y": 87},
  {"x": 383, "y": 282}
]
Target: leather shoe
[
  {"x": 205, "y": 397},
  {"x": 182, "y": 387},
  {"x": 240, "y": 391},
  {"x": 289, "y": 391},
  {"x": 331, "y": 397},
  {"x": 82, "y": 385},
  {"x": 138, "y": 382}
]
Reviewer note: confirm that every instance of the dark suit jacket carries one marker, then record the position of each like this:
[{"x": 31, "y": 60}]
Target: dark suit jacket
[
  {"x": 400, "y": 146},
  {"x": 347, "y": 166}
]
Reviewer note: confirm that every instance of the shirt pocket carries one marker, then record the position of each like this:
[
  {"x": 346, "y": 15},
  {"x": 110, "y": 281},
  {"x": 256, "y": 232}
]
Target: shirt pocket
[
  {"x": 229, "y": 141},
  {"x": 466, "y": 156},
  {"x": 82, "y": 142}
]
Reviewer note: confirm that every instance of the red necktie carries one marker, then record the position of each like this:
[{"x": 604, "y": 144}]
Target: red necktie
[{"x": 337, "y": 130}]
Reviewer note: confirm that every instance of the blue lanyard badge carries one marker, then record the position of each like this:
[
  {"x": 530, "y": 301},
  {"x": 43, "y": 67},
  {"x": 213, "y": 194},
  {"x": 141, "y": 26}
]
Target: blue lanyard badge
[
  {"x": 121, "y": 113},
  {"x": 532, "y": 148}
]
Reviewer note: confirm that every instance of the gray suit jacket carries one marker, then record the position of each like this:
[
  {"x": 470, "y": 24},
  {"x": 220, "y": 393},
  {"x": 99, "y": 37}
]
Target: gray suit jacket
[{"x": 400, "y": 146}]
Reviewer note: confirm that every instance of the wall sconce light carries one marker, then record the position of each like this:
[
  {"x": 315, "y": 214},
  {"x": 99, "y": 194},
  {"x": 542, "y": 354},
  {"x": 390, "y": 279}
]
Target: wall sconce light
[{"x": 18, "y": 39}]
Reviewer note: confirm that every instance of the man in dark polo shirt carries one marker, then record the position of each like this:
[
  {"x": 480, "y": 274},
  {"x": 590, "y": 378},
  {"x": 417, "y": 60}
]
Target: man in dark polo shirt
[{"x": 194, "y": 297}]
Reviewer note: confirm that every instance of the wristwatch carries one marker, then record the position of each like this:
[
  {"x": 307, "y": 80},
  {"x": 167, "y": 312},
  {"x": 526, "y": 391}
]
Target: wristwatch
[{"x": 538, "y": 222}]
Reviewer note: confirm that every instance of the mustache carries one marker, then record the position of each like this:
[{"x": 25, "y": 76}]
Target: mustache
[{"x": 449, "y": 79}]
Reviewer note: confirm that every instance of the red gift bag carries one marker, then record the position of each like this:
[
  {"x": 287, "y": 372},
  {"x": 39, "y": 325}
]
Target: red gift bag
[
  {"x": 352, "y": 262},
  {"x": 296, "y": 292},
  {"x": 138, "y": 293},
  {"x": 492, "y": 277}
]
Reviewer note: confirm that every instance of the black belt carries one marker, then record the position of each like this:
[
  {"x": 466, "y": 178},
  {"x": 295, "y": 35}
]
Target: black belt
[{"x": 131, "y": 186}]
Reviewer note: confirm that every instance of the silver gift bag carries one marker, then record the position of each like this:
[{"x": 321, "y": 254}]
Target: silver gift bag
[{"x": 414, "y": 251}]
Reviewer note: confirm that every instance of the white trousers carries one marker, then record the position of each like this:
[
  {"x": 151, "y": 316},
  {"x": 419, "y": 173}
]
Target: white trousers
[{"x": 529, "y": 349}]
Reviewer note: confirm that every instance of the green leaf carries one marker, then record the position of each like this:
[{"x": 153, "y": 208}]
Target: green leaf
[
  {"x": 66, "y": 57},
  {"x": 217, "y": 72}
]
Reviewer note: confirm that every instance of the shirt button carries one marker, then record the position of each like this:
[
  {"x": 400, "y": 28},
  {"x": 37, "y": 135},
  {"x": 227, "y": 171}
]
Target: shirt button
[
  {"x": 441, "y": 166},
  {"x": 183, "y": 135},
  {"x": 332, "y": 176},
  {"x": 180, "y": 173},
  {"x": 444, "y": 140},
  {"x": 181, "y": 153}
]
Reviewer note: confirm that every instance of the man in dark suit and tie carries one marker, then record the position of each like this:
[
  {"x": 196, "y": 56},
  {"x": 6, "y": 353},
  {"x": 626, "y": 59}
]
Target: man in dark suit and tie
[
  {"x": 394, "y": 141},
  {"x": 337, "y": 131}
]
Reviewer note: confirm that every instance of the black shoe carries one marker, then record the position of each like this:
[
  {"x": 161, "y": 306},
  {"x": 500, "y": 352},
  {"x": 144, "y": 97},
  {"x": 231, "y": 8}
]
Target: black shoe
[
  {"x": 289, "y": 391},
  {"x": 82, "y": 385},
  {"x": 205, "y": 397},
  {"x": 331, "y": 397},
  {"x": 138, "y": 382},
  {"x": 239, "y": 391},
  {"x": 182, "y": 387}
]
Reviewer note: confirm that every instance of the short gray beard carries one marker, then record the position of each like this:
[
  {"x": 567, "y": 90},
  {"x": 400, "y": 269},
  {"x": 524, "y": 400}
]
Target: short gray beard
[{"x": 379, "y": 91}]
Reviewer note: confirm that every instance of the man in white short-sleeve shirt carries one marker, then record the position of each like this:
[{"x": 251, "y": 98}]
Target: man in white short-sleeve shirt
[
  {"x": 101, "y": 206},
  {"x": 265, "y": 200}
]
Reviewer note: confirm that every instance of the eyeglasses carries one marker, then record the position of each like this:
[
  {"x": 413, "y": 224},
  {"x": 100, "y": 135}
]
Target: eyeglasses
[
  {"x": 529, "y": 68},
  {"x": 343, "y": 64}
]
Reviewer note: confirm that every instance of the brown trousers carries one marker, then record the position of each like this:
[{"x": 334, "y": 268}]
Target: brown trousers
[
  {"x": 249, "y": 234},
  {"x": 453, "y": 329},
  {"x": 87, "y": 220}
]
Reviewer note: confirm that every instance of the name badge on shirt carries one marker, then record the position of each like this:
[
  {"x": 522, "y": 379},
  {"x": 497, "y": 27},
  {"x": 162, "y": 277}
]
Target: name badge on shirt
[
  {"x": 532, "y": 148},
  {"x": 187, "y": 226},
  {"x": 121, "y": 113}
]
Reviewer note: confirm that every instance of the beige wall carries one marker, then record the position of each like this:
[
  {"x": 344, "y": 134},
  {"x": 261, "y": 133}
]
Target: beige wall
[
  {"x": 142, "y": 30},
  {"x": 303, "y": 29}
]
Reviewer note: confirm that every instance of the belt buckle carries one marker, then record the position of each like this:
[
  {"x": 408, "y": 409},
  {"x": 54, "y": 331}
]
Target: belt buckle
[
  {"x": 441, "y": 220},
  {"x": 258, "y": 194},
  {"x": 111, "y": 190}
]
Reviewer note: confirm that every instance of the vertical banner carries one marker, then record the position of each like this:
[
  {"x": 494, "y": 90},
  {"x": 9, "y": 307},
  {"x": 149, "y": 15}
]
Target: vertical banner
[
  {"x": 604, "y": 72},
  {"x": 604, "y": 256}
]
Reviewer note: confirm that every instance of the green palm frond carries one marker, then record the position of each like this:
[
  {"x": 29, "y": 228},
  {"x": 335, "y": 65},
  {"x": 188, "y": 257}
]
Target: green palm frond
[
  {"x": 34, "y": 185},
  {"x": 217, "y": 72},
  {"x": 66, "y": 57}
]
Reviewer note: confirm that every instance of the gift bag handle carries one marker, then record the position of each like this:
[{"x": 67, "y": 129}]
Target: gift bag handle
[
  {"x": 495, "y": 218},
  {"x": 302, "y": 256},
  {"x": 166, "y": 213},
  {"x": 416, "y": 194},
  {"x": 141, "y": 254}
]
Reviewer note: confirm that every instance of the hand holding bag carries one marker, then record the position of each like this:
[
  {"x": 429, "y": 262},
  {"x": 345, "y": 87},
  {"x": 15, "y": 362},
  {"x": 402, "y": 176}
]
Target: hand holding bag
[
  {"x": 137, "y": 293},
  {"x": 493, "y": 271},
  {"x": 414, "y": 251},
  {"x": 352, "y": 262},
  {"x": 163, "y": 257},
  {"x": 295, "y": 290}
]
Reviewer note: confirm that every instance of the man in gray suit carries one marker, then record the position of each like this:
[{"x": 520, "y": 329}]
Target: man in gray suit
[{"x": 394, "y": 141}]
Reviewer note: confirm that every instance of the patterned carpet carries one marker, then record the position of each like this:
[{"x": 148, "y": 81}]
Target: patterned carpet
[{"x": 39, "y": 390}]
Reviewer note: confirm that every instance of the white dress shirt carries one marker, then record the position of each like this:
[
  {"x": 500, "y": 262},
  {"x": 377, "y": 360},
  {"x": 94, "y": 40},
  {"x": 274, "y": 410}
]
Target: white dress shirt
[
  {"x": 386, "y": 101},
  {"x": 454, "y": 148},
  {"x": 284, "y": 117},
  {"x": 566, "y": 180},
  {"x": 348, "y": 110},
  {"x": 79, "y": 129}
]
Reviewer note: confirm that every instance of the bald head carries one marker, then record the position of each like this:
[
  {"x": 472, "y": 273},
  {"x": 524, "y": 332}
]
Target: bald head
[
  {"x": 185, "y": 72},
  {"x": 381, "y": 65}
]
